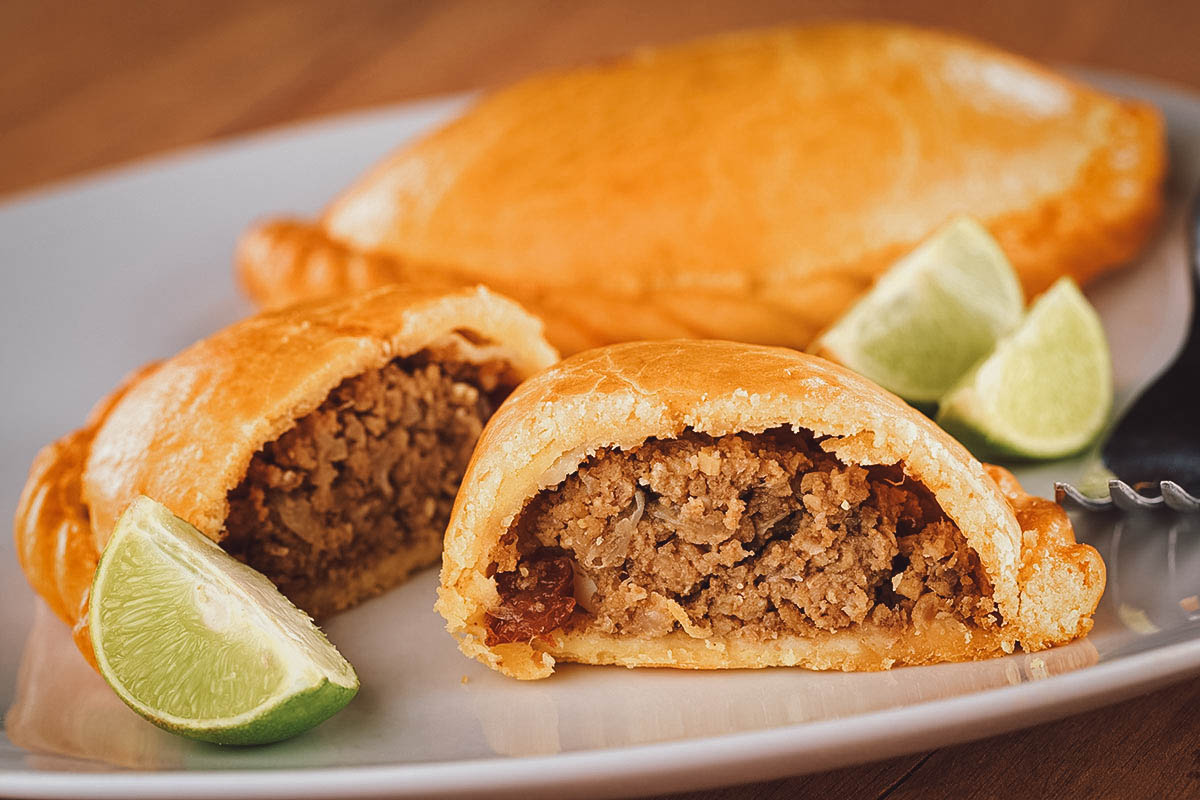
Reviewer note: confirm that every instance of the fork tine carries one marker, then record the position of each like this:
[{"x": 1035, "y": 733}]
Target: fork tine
[
  {"x": 1067, "y": 492},
  {"x": 1177, "y": 498},
  {"x": 1127, "y": 499},
  {"x": 1123, "y": 496}
]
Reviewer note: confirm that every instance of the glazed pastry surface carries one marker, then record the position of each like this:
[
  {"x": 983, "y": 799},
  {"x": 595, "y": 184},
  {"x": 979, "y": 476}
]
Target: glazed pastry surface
[{"x": 745, "y": 187}]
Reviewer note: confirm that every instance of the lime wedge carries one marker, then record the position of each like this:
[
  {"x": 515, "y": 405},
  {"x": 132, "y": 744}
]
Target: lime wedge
[
  {"x": 1045, "y": 392},
  {"x": 202, "y": 645},
  {"x": 931, "y": 316}
]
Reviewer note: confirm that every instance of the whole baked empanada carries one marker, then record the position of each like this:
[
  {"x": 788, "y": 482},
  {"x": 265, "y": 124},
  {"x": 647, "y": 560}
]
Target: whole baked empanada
[
  {"x": 747, "y": 186},
  {"x": 322, "y": 444},
  {"x": 706, "y": 504}
]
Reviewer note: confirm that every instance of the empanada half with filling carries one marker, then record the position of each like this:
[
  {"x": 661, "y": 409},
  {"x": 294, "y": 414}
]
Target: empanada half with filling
[
  {"x": 705, "y": 504},
  {"x": 322, "y": 444}
]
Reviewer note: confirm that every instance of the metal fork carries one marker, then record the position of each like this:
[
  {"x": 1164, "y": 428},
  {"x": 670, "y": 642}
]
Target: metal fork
[{"x": 1157, "y": 442}]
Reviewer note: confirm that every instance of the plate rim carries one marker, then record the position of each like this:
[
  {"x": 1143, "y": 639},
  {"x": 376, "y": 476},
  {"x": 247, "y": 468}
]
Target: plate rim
[{"x": 658, "y": 766}]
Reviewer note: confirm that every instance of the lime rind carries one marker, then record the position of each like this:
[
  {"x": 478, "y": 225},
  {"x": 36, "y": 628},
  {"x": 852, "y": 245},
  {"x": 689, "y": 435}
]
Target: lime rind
[
  {"x": 287, "y": 718},
  {"x": 1045, "y": 391},
  {"x": 201, "y": 644},
  {"x": 929, "y": 318}
]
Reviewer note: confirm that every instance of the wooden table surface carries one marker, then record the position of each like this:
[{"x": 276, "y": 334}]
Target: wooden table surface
[{"x": 94, "y": 84}]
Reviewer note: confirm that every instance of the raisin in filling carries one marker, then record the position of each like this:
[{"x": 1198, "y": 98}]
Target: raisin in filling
[{"x": 538, "y": 596}]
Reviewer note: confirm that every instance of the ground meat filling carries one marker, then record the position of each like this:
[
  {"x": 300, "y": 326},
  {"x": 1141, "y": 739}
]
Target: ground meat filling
[
  {"x": 753, "y": 534},
  {"x": 374, "y": 469}
]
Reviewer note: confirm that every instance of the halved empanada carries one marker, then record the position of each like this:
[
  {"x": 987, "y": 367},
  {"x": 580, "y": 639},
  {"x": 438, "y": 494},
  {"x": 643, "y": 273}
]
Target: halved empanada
[
  {"x": 322, "y": 444},
  {"x": 707, "y": 504}
]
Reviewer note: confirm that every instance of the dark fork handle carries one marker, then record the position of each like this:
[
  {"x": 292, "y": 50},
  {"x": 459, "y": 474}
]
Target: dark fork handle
[{"x": 1159, "y": 437}]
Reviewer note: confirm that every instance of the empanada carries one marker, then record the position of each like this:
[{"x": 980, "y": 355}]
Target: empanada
[
  {"x": 706, "y": 504},
  {"x": 746, "y": 187},
  {"x": 322, "y": 444}
]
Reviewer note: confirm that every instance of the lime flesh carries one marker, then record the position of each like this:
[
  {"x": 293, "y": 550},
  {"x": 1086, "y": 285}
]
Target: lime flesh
[
  {"x": 1046, "y": 390},
  {"x": 203, "y": 645},
  {"x": 931, "y": 316}
]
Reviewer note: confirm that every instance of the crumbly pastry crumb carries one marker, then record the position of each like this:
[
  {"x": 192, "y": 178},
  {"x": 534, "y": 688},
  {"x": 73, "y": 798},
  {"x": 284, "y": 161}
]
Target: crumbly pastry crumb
[{"x": 747, "y": 535}]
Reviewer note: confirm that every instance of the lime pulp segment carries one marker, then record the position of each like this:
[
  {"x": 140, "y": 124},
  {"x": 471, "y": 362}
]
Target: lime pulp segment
[
  {"x": 1045, "y": 392},
  {"x": 931, "y": 316}
]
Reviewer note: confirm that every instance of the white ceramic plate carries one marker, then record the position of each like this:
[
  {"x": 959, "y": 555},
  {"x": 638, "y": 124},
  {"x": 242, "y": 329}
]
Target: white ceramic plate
[{"x": 104, "y": 274}]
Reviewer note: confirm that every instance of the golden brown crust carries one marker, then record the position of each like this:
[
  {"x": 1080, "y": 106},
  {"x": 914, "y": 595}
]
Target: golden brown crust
[
  {"x": 185, "y": 431},
  {"x": 186, "y": 434},
  {"x": 1061, "y": 580},
  {"x": 746, "y": 187},
  {"x": 285, "y": 262},
  {"x": 622, "y": 395},
  {"x": 53, "y": 535},
  {"x": 50, "y": 519},
  {"x": 299, "y": 262}
]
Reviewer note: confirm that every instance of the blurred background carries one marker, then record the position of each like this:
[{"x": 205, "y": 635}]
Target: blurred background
[{"x": 85, "y": 85}]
